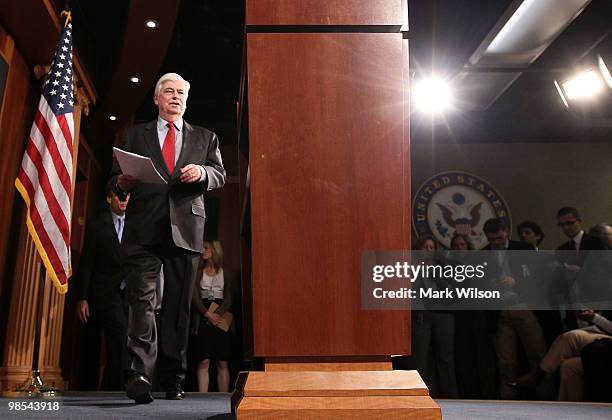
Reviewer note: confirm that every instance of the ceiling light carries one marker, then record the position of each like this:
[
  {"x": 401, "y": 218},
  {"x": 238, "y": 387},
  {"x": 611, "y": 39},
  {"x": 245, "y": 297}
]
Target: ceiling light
[
  {"x": 603, "y": 69},
  {"x": 112, "y": 118},
  {"x": 585, "y": 85},
  {"x": 151, "y": 24},
  {"x": 432, "y": 95},
  {"x": 134, "y": 79}
]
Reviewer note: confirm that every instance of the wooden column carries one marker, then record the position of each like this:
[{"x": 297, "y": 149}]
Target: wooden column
[
  {"x": 15, "y": 110},
  {"x": 21, "y": 320},
  {"x": 328, "y": 147},
  {"x": 19, "y": 347},
  {"x": 21, "y": 323},
  {"x": 329, "y": 165}
]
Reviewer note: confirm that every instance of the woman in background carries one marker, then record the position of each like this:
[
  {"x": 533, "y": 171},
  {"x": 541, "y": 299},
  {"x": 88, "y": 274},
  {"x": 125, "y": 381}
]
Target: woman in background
[
  {"x": 474, "y": 355},
  {"x": 212, "y": 342},
  {"x": 433, "y": 335}
]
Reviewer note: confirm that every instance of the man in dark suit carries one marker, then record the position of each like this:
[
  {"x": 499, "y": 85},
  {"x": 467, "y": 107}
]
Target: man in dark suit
[
  {"x": 570, "y": 221},
  {"x": 511, "y": 273},
  {"x": 165, "y": 225},
  {"x": 100, "y": 281},
  {"x": 572, "y": 257}
]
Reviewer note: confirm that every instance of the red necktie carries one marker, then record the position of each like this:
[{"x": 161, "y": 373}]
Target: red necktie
[{"x": 168, "y": 149}]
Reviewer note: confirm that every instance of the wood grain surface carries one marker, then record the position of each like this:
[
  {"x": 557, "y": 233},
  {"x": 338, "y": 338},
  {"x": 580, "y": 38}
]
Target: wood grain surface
[{"x": 330, "y": 177}]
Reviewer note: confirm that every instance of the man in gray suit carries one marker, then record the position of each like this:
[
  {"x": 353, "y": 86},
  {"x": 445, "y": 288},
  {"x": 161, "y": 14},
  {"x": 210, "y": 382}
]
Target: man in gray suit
[{"x": 165, "y": 225}]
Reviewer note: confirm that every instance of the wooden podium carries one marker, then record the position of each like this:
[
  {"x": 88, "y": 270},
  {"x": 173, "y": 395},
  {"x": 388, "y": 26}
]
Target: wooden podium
[{"x": 324, "y": 136}]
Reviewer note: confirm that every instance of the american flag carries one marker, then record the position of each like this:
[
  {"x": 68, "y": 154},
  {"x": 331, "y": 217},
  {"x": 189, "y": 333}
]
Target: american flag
[{"x": 45, "y": 177}]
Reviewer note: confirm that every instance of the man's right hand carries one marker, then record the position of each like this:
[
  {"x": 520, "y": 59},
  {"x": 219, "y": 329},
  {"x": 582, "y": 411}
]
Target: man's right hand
[
  {"x": 83, "y": 311},
  {"x": 586, "y": 315},
  {"x": 126, "y": 182}
]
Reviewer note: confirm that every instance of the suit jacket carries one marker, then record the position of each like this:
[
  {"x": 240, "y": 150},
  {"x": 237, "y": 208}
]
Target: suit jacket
[
  {"x": 198, "y": 308},
  {"x": 590, "y": 284},
  {"x": 588, "y": 243},
  {"x": 175, "y": 208},
  {"x": 100, "y": 272},
  {"x": 516, "y": 262}
]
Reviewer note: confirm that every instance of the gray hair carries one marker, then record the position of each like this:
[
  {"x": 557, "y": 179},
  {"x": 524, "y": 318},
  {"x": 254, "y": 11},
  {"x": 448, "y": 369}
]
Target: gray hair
[
  {"x": 171, "y": 76},
  {"x": 599, "y": 230}
]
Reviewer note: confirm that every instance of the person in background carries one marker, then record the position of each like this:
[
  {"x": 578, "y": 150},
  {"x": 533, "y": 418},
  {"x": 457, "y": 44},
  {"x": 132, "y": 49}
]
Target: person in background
[
  {"x": 604, "y": 232},
  {"x": 433, "y": 334},
  {"x": 212, "y": 286},
  {"x": 530, "y": 233},
  {"x": 510, "y": 275},
  {"x": 570, "y": 222},
  {"x": 100, "y": 282},
  {"x": 564, "y": 355},
  {"x": 474, "y": 354},
  {"x": 572, "y": 256}
]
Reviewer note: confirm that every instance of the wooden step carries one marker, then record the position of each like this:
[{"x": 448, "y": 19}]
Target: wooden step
[{"x": 336, "y": 395}]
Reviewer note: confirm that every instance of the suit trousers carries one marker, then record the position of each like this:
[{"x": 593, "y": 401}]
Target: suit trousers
[
  {"x": 524, "y": 325},
  {"x": 112, "y": 317},
  {"x": 475, "y": 357},
  {"x": 433, "y": 334},
  {"x": 150, "y": 347}
]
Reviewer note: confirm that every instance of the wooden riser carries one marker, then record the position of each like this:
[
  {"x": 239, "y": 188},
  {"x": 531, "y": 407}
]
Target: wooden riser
[
  {"x": 336, "y": 395},
  {"x": 377, "y": 407}
]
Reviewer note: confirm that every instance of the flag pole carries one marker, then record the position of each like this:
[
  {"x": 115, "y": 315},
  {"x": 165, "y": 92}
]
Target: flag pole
[{"x": 34, "y": 385}]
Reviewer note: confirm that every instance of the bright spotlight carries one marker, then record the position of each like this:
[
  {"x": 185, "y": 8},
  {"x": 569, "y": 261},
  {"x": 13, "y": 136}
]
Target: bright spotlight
[
  {"x": 585, "y": 85},
  {"x": 432, "y": 95}
]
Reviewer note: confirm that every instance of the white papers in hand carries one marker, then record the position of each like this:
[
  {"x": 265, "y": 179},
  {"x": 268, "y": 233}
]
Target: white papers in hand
[{"x": 138, "y": 167}]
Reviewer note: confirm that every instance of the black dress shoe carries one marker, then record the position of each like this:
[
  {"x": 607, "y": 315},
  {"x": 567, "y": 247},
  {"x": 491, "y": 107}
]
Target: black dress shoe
[
  {"x": 138, "y": 388},
  {"x": 175, "y": 393}
]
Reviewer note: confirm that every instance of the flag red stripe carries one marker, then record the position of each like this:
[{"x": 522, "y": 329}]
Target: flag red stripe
[
  {"x": 52, "y": 204},
  {"x": 61, "y": 120},
  {"x": 25, "y": 181},
  {"x": 43, "y": 236},
  {"x": 51, "y": 144}
]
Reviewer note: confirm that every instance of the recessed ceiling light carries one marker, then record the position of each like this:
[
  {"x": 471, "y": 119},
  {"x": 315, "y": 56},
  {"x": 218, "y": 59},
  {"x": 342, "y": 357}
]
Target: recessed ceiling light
[
  {"x": 134, "y": 79},
  {"x": 151, "y": 24},
  {"x": 112, "y": 118}
]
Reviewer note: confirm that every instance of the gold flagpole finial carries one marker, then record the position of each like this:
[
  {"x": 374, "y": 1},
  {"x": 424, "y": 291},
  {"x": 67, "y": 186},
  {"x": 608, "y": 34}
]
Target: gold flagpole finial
[{"x": 68, "y": 15}]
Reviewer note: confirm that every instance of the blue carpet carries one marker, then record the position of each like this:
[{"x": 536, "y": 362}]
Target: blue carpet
[
  {"x": 114, "y": 405},
  {"x": 518, "y": 410}
]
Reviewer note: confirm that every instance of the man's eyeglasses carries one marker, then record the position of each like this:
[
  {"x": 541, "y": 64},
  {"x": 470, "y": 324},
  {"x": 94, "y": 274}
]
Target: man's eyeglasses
[{"x": 568, "y": 223}]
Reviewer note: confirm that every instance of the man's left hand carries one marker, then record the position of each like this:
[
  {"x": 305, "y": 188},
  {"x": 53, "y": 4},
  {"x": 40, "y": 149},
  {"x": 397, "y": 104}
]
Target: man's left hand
[{"x": 191, "y": 173}]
